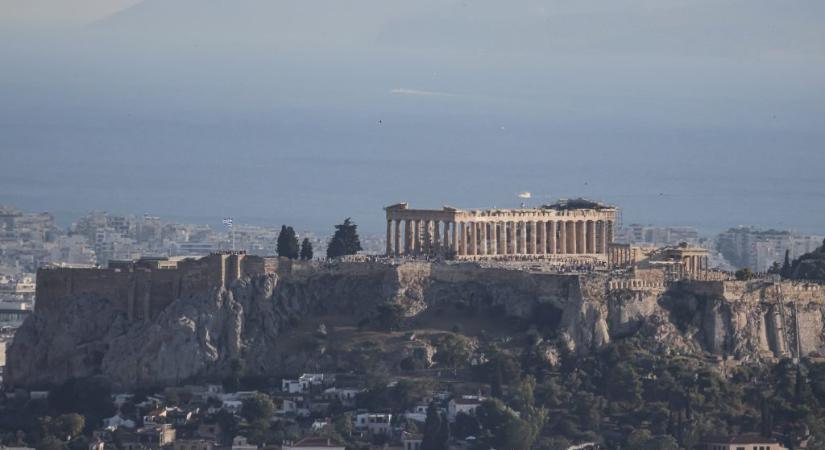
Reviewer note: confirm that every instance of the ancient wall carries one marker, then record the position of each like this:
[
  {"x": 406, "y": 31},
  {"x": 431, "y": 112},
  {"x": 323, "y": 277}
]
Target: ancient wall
[{"x": 141, "y": 292}]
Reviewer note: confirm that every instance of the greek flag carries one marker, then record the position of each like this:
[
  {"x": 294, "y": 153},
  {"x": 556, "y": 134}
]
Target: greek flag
[{"x": 228, "y": 222}]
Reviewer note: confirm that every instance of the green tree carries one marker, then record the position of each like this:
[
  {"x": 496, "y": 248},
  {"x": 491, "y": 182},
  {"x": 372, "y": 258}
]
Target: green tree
[
  {"x": 67, "y": 426},
  {"x": 237, "y": 367},
  {"x": 257, "y": 408},
  {"x": 389, "y": 316},
  {"x": 343, "y": 425},
  {"x": 453, "y": 351},
  {"x": 786, "y": 265},
  {"x": 624, "y": 384},
  {"x": 504, "y": 429},
  {"x": 433, "y": 433},
  {"x": 288, "y": 243},
  {"x": 345, "y": 241},
  {"x": 744, "y": 274},
  {"x": 306, "y": 249},
  {"x": 465, "y": 425}
]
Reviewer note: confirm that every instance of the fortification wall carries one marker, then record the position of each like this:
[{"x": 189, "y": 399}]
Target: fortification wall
[{"x": 141, "y": 292}]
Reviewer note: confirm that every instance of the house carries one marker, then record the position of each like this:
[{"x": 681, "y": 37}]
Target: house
[
  {"x": 314, "y": 379},
  {"x": 179, "y": 417},
  {"x": 241, "y": 443},
  {"x": 151, "y": 437},
  {"x": 194, "y": 444},
  {"x": 411, "y": 441},
  {"x": 417, "y": 413},
  {"x": 285, "y": 406},
  {"x": 346, "y": 396},
  {"x": 38, "y": 395},
  {"x": 467, "y": 404},
  {"x": 151, "y": 402},
  {"x": 232, "y": 406},
  {"x": 319, "y": 424},
  {"x": 117, "y": 421},
  {"x": 303, "y": 384},
  {"x": 741, "y": 442},
  {"x": 155, "y": 416},
  {"x": 374, "y": 423},
  {"x": 313, "y": 443},
  {"x": 293, "y": 386}
]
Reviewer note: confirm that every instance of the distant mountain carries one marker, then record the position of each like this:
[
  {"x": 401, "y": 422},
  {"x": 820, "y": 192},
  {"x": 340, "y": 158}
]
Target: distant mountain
[{"x": 587, "y": 27}]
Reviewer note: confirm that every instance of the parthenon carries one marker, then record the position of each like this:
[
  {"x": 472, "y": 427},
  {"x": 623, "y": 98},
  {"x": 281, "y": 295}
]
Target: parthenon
[{"x": 568, "y": 227}]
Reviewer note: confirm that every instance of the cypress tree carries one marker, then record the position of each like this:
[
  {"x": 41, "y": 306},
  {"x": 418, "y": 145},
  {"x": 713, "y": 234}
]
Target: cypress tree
[
  {"x": 786, "y": 266},
  {"x": 288, "y": 243},
  {"x": 345, "y": 241},
  {"x": 306, "y": 249},
  {"x": 434, "y": 435}
]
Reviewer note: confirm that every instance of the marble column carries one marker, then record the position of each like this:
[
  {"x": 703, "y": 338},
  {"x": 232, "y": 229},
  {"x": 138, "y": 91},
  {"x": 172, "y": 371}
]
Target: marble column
[
  {"x": 609, "y": 231},
  {"x": 445, "y": 246},
  {"x": 417, "y": 238},
  {"x": 407, "y": 236},
  {"x": 571, "y": 237},
  {"x": 581, "y": 246},
  {"x": 436, "y": 237},
  {"x": 553, "y": 244},
  {"x": 492, "y": 239},
  {"x": 511, "y": 237},
  {"x": 522, "y": 239},
  {"x": 454, "y": 236},
  {"x": 505, "y": 237},
  {"x": 427, "y": 238},
  {"x": 591, "y": 236},
  {"x": 462, "y": 238},
  {"x": 397, "y": 237},
  {"x": 531, "y": 238},
  {"x": 471, "y": 234},
  {"x": 482, "y": 241},
  {"x": 389, "y": 237},
  {"x": 542, "y": 237},
  {"x": 603, "y": 242},
  {"x": 562, "y": 237}
]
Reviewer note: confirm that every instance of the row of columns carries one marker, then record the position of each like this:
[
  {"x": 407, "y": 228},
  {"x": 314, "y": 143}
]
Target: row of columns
[
  {"x": 695, "y": 264},
  {"x": 432, "y": 237}
]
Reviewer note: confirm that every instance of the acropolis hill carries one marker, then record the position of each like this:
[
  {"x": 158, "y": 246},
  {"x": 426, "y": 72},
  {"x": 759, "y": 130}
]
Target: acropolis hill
[{"x": 156, "y": 321}]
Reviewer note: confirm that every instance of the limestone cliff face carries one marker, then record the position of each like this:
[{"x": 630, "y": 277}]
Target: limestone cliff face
[
  {"x": 258, "y": 320},
  {"x": 750, "y": 320}
]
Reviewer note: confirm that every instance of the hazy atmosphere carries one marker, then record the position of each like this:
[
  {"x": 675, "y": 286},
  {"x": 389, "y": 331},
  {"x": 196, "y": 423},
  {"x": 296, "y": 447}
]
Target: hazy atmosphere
[{"x": 702, "y": 113}]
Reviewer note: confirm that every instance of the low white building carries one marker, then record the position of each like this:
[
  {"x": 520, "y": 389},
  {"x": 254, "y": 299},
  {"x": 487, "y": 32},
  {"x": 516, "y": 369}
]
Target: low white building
[
  {"x": 374, "y": 423},
  {"x": 232, "y": 406},
  {"x": 241, "y": 443},
  {"x": 346, "y": 396},
  {"x": 116, "y": 421}
]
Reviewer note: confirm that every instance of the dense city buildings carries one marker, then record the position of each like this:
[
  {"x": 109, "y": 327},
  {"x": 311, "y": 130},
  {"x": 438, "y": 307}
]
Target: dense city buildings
[{"x": 760, "y": 249}]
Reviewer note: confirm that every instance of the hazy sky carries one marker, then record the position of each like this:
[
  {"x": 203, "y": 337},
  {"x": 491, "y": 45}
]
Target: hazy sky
[
  {"x": 705, "y": 113},
  {"x": 28, "y": 13}
]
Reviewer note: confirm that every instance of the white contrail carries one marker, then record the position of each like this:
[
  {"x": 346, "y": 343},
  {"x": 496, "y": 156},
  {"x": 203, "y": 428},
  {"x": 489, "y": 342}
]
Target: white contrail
[{"x": 405, "y": 91}]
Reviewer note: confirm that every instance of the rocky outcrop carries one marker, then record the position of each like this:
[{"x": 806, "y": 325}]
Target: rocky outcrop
[{"x": 268, "y": 321}]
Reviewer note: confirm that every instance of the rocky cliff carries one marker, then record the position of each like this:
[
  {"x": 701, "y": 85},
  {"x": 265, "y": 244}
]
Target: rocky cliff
[{"x": 269, "y": 321}]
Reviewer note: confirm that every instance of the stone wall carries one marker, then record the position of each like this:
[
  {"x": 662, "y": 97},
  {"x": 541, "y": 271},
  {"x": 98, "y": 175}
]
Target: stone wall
[{"x": 140, "y": 292}]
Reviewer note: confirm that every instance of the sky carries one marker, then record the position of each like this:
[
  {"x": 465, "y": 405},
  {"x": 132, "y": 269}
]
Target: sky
[{"x": 699, "y": 113}]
